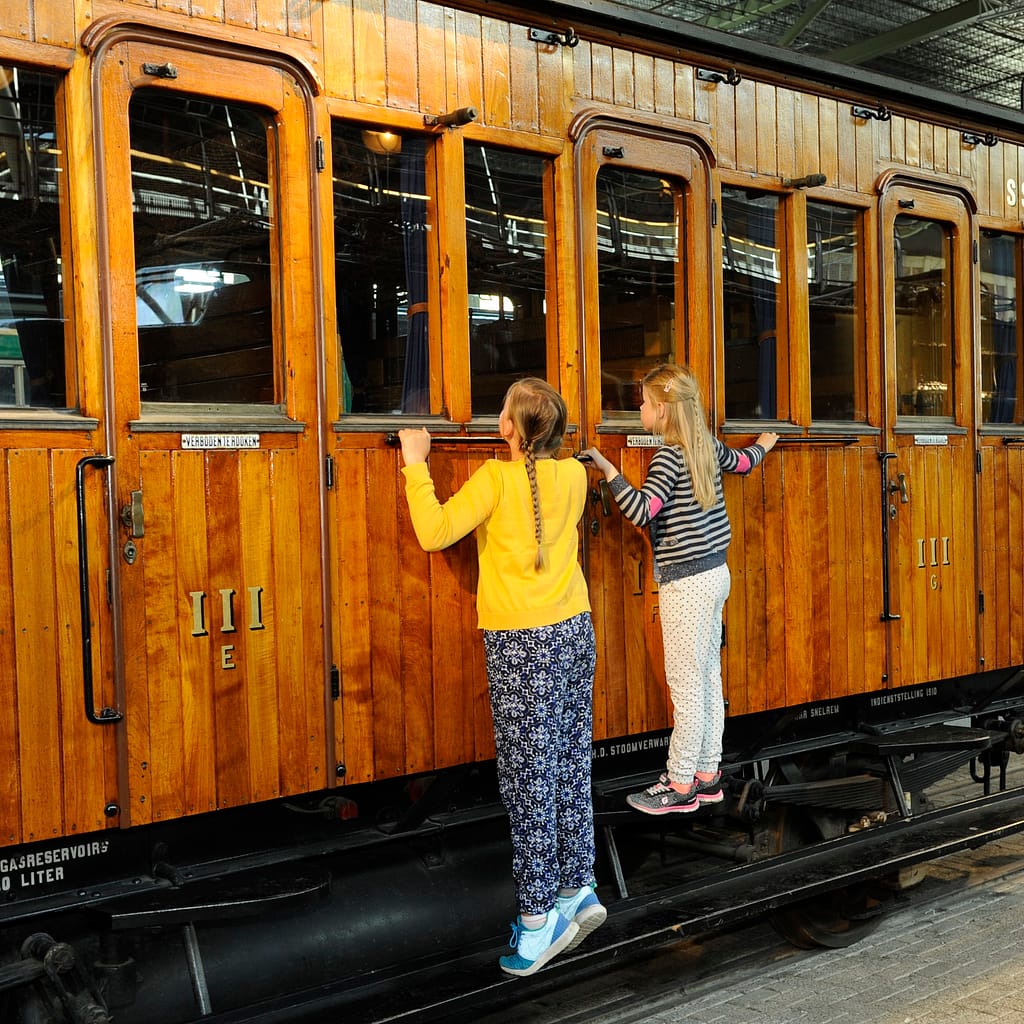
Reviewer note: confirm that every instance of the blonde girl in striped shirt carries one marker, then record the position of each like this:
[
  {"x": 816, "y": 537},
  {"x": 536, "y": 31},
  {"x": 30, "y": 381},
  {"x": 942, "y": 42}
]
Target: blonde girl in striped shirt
[{"x": 683, "y": 504}]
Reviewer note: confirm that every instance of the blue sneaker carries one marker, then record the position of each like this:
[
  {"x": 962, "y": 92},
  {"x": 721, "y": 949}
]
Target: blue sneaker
[
  {"x": 534, "y": 947},
  {"x": 585, "y": 910}
]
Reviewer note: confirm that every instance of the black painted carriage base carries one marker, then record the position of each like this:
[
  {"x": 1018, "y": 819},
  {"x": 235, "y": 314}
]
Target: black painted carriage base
[{"x": 456, "y": 988}]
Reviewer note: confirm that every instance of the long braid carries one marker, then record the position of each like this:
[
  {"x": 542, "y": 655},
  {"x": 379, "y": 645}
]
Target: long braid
[
  {"x": 539, "y": 416},
  {"x": 530, "y": 461}
]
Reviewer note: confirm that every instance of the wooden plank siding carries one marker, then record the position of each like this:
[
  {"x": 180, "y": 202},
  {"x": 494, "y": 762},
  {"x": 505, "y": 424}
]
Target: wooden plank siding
[
  {"x": 45, "y": 733},
  {"x": 1001, "y": 550},
  {"x": 803, "y": 618},
  {"x": 414, "y": 692},
  {"x": 935, "y": 566},
  {"x": 240, "y": 718}
]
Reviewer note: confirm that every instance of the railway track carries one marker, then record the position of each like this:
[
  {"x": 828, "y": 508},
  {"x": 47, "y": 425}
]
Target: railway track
[
  {"x": 680, "y": 981},
  {"x": 656, "y": 952},
  {"x": 683, "y": 982}
]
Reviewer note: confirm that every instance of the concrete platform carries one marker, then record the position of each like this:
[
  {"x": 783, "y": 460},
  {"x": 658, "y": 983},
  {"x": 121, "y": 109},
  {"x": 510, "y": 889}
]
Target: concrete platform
[{"x": 953, "y": 955}]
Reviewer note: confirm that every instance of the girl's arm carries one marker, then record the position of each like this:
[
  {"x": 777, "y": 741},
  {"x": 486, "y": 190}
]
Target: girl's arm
[
  {"x": 599, "y": 462},
  {"x": 439, "y": 525},
  {"x": 415, "y": 445},
  {"x": 641, "y": 506},
  {"x": 743, "y": 460}
]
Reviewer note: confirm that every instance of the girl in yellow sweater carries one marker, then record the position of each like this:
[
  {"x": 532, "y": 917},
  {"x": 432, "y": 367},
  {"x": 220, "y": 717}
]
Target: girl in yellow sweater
[{"x": 534, "y": 611}]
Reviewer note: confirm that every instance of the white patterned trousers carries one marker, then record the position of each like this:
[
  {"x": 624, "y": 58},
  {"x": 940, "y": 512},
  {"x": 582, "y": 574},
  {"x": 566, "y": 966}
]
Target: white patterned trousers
[{"x": 691, "y": 629}]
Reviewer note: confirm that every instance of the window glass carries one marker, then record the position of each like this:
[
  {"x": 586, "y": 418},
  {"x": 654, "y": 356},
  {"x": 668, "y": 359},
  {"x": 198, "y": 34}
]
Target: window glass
[
  {"x": 202, "y": 220},
  {"x": 1000, "y": 338},
  {"x": 639, "y": 241},
  {"x": 836, "y": 313},
  {"x": 924, "y": 317},
  {"x": 506, "y": 241},
  {"x": 752, "y": 278},
  {"x": 32, "y": 370},
  {"x": 380, "y": 254}
]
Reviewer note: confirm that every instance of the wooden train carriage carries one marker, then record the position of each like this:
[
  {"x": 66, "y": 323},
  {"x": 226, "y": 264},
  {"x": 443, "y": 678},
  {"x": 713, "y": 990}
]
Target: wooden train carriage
[{"x": 243, "y": 242}]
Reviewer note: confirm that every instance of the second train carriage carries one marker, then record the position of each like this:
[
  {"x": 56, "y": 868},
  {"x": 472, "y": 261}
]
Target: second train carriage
[{"x": 241, "y": 245}]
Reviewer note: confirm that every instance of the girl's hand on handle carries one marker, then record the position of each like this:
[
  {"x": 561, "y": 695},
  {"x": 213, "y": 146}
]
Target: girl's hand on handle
[
  {"x": 767, "y": 441},
  {"x": 599, "y": 462},
  {"x": 415, "y": 444}
]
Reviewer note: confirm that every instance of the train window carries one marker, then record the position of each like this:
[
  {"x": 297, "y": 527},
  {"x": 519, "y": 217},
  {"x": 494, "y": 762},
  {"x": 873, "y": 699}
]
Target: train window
[
  {"x": 752, "y": 274},
  {"x": 639, "y": 241},
  {"x": 202, "y": 224},
  {"x": 506, "y": 242},
  {"x": 380, "y": 258},
  {"x": 924, "y": 317},
  {"x": 836, "y": 313},
  {"x": 1001, "y": 362},
  {"x": 32, "y": 364}
]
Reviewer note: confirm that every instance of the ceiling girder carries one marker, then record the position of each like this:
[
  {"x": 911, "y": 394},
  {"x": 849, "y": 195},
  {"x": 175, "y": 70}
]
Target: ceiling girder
[
  {"x": 810, "y": 13},
  {"x": 728, "y": 19},
  {"x": 915, "y": 31}
]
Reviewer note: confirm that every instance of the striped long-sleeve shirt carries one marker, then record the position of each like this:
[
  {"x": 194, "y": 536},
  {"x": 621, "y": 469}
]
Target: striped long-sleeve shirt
[{"x": 685, "y": 538}]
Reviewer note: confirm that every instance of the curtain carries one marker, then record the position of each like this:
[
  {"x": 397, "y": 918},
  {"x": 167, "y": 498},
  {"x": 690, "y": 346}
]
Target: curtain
[
  {"x": 416, "y": 378},
  {"x": 1004, "y": 339},
  {"x": 761, "y": 228}
]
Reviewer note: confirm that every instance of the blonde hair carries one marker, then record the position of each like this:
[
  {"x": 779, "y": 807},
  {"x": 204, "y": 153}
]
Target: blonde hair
[
  {"x": 538, "y": 414},
  {"x": 686, "y": 424}
]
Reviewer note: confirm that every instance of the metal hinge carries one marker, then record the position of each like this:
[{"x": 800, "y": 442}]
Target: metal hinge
[
  {"x": 335, "y": 683},
  {"x": 160, "y": 70},
  {"x": 329, "y": 472}
]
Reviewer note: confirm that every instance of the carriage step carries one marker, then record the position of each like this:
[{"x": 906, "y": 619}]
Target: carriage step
[{"x": 923, "y": 739}]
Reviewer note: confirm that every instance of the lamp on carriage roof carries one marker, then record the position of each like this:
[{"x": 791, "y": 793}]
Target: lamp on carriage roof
[
  {"x": 807, "y": 181},
  {"x": 453, "y": 119},
  {"x": 383, "y": 143}
]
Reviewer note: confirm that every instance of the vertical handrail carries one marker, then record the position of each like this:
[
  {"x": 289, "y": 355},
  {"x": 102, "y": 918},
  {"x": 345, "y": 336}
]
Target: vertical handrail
[
  {"x": 887, "y": 613},
  {"x": 108, "y": 715}
]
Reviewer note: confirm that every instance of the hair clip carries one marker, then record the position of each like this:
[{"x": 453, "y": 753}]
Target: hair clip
[{"x": 667, "y": 388}]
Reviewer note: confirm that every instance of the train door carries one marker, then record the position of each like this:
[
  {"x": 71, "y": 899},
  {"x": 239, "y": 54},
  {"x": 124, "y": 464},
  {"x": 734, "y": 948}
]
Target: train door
[
  {"x": 206, "y": 192},
  {"x": 645, "y": 214},
  {"x": 929, "y": 463}
]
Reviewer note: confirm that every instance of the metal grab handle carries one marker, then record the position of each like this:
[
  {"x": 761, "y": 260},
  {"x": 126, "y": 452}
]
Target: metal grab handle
[
  {"x": 107, "y": 715},
  {"x": 393, "y": 441},
  {"x": 887, "y": 510},
  {"x": 900, "y": 484},
  {"x": 602, "y": 494}
]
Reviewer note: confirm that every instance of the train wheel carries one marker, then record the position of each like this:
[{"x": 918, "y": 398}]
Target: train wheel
[{"x": 834, "y": 919}]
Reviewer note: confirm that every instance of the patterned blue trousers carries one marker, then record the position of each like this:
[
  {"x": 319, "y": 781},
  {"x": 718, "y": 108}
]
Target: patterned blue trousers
[{"x": 541, "y": 682}]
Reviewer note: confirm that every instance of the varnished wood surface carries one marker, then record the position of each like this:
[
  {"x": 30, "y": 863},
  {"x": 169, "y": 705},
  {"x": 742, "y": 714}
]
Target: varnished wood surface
[{"x": 344, "y": 584}]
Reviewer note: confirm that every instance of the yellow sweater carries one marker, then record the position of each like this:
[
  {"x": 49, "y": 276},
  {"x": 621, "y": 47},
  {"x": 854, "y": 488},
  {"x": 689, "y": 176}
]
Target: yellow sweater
[{"x": 495, "y": 501}]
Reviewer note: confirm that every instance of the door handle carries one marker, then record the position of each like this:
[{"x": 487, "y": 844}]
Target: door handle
[
  {"x": 106, "y": 716},
  {"x": 888, "y": 513},
  {"x": 900, "y": 484},
  {"x": 132, "y": 515}
]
